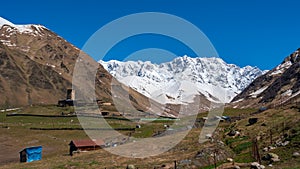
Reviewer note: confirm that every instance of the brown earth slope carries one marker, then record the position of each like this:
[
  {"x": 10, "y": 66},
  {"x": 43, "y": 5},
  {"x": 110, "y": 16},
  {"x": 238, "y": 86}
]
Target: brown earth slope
[
  {"x": 37, "y": 67},
  {"x": 279, "y": 86}
]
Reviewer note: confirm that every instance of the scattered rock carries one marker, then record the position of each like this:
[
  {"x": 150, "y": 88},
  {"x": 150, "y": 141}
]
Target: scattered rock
[
  {"x": 282, "y": 144},
  {"x": 229, "y": 159},
  {"x": 258, "y": 138},
  {"x": 167, "y": 166},
  {"x": 256, "y": 165},
  {"x": 296, "y": 154},
  {"x": 200, "y": 154},
  {"x": 220, "y": 142},
  {"x": 271, "y": 148},
  {"x": 266, "y": 149},
  {"x": 285, "y": 143},
  {"x": 275, "y": 159},
  {"x": 232, "y": 133},
  {"x": 272, "y": 157},
  {"x": 236, "y": 167},
  {"x": 208, "y": 136},
  {"x": 130, "y": 166}
]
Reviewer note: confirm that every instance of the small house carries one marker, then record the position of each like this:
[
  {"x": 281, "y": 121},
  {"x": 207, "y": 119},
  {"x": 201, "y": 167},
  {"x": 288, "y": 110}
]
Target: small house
[
  {"x": 85, "y": 145},
  {"x": 30, "y": 154},
  {"x": 70, "y": 99}
]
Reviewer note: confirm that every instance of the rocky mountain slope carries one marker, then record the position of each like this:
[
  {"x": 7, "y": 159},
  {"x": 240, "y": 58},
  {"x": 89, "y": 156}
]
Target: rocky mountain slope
[
  {"x": 37, "y": 65},
  {"x": 180, "y": 80},
  {"x": 279, "y": 86}
]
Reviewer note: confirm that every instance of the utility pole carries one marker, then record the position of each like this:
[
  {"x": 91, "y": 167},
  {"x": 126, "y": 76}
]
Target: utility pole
[{"x": 255, "y": 150}]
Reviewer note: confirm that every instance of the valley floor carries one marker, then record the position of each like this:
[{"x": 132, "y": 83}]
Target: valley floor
[{"x": 283, "y": 123}]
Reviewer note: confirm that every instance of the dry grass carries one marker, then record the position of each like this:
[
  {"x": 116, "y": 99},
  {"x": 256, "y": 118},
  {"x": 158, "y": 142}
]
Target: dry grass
[{"x": 55, "y": 143}]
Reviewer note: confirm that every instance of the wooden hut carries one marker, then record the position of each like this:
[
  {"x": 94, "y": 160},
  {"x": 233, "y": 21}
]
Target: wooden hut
[{"x": 85, "y": 145}]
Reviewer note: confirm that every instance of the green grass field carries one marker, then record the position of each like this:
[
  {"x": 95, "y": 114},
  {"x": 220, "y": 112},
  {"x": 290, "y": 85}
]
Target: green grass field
[{"x": 16, "y": 135}]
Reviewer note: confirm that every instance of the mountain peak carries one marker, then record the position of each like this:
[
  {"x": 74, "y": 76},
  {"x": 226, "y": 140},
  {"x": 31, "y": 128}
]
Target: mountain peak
[
  {"x": 26, "y": 28},
  {"x": 5, "y": 22}
]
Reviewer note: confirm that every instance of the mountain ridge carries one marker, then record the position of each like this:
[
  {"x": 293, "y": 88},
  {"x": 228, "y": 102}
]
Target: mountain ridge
[
  {"x": 37, "y": 67},
  {"x": 182, "y": 74},
  {"x": 276, "y": 87}
]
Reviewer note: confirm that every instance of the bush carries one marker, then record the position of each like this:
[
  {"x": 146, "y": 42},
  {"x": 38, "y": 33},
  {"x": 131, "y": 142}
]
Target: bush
[{"x": 239, "y": 148}]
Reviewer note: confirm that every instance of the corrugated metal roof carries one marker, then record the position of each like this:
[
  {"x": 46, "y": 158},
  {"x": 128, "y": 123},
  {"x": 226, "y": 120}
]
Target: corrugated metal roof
[
  {"x": 88, "y": 143},
  {"x": 33, "y": 153},
  {"x": 32, "y": 147}
]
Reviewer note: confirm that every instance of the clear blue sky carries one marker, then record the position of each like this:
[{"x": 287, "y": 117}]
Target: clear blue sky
[{"x": 256, "y": 33}]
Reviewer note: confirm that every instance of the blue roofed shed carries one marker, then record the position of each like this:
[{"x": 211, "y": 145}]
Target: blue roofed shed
[{"x": 30, "y": 154}]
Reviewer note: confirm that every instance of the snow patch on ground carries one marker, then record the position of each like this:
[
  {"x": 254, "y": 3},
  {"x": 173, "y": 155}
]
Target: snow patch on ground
[
  {"x": 276, "y": 72},
  {"x": 281, "y": 68},
  {"x": 287, "y": 93},
  {"x": 295, "y": 94},
  {"x": 238, "y": 101},
  {"x": 257, "y": 92},
  {"x": 48, "y": 64}
]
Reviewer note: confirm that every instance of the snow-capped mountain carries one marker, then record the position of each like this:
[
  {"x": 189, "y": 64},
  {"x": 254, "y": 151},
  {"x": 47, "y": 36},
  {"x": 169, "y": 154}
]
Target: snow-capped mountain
[
  {"x": 183, "y": 78},
  {"x": 37, "y": 67},
  {"x": 32, "y": 29}
]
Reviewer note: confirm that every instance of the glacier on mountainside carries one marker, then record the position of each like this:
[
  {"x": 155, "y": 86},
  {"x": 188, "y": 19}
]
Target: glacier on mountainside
[{"x": 183, "y": 78}]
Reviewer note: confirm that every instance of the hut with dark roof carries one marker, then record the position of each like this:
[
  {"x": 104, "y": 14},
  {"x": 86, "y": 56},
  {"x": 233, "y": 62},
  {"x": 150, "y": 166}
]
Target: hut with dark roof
[{"x": 85, "y": 145}]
